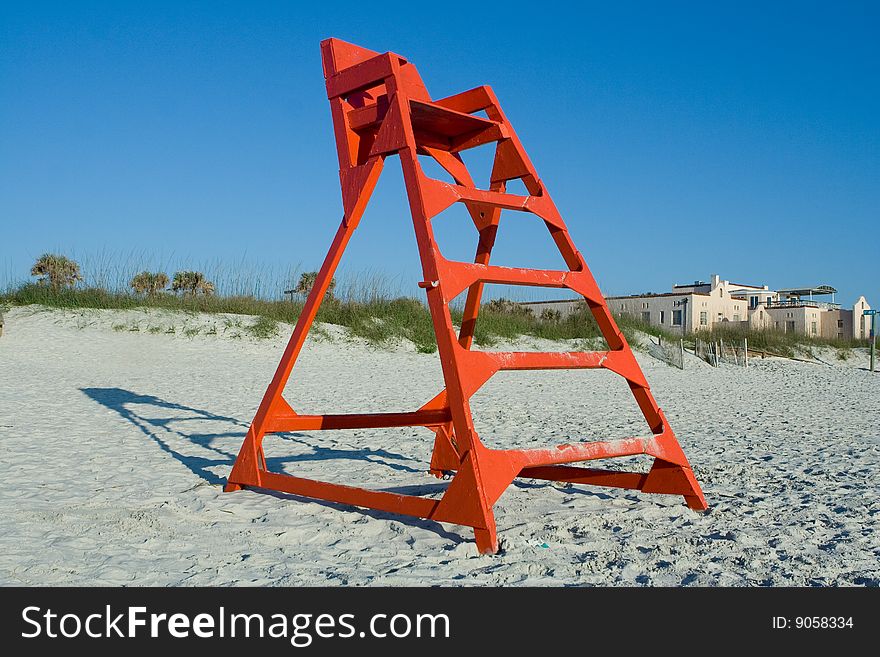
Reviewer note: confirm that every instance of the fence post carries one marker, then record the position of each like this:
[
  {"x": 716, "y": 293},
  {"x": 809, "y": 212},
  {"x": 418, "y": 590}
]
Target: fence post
[
  {"x": 745, "y": 352},
  {"x": 681, "y": 351}
]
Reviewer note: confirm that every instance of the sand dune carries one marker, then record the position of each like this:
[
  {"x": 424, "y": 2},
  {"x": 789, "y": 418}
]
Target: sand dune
[{"x": 116, "y": 442}]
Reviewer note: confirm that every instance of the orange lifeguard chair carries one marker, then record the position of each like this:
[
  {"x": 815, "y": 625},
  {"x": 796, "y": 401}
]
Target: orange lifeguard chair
[{"x": 380, "y": 107}]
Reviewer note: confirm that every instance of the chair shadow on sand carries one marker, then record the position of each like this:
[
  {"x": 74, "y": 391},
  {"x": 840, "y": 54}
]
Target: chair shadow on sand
[{"x": 163, "y": 432}]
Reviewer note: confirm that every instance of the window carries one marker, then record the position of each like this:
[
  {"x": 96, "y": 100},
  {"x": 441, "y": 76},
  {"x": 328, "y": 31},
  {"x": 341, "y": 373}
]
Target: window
[
  {"x": 789, "y": 327},
  {"x": 646, "y": 317},
  {"x": 676, "y": 318},
  {"x": 839, "y": 323},
  {"x": 839, "y": 334},
  {"x": 736, "y": 318},
  {"x": 662, "y": 316},
  {"x": 761, "y": 314},
  {"x": 753, "y": 302},
  {"x": 720, "y": 316},
  {"x": 777, "y": 325},
  {"x": 704, "y": 319},
  {"x": 813, "y": 328}
]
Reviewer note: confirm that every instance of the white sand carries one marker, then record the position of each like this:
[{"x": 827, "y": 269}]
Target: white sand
[{"x": 115, "y": 445}]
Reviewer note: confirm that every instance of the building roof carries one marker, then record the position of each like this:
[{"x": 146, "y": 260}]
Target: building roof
[
  {"x": 759, "y": 288},
  {"x": 664, "y": 294},
  {"x": 801, "y": 291},
  {"x": 736, "y": 285},
  {"x": 531, "y": 303}
]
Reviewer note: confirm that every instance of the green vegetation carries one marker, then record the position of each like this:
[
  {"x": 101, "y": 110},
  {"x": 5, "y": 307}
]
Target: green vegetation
[
  {"x": 505, "y": 319},
  {"x": 307, "y": 282},
  {"x": 778, "y": 342},
  {"x": 382, "y": 321},
  {"x": 378, "y": 319},
  {"x": 192, "y": 283},
  {"x": 149, "y": 283},
  {"x": 263, "y": 327},
  {"x": 56, "y": 272}
]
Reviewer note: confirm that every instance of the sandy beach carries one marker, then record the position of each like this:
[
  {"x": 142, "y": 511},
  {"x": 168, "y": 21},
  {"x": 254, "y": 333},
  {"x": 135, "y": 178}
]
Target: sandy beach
[{"x": 118, "y": 430}]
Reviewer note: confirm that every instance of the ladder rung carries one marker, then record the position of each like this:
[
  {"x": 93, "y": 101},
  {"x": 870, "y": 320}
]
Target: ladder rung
[
  {"x": 584, "y": 451},
  {"x": 294, "y": 422},
  {"x": 496, "y": 199},
  {"x": 457, "y": 276},
  {"x": 549, "y": 360},
  {"x": 483, "y": 365}
]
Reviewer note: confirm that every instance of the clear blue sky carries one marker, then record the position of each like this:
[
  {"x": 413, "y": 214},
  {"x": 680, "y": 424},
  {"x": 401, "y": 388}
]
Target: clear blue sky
[{"x": 678, "y": 139}]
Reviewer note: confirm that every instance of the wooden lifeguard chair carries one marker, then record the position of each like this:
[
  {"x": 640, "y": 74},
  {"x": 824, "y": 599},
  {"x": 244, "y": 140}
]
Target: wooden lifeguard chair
[{"x": 380, "y": 108}]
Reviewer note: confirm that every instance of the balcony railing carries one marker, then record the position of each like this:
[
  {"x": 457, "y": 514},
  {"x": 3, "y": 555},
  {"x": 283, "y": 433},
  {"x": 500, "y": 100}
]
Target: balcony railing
[{"x": 809, "y": 303}]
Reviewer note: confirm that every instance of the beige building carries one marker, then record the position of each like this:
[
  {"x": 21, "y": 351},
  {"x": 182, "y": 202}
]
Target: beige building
[
  {"x": 694, "y": 306},
  {"x": 702, "y": 306},
  {"x": 862, "y": 323}
]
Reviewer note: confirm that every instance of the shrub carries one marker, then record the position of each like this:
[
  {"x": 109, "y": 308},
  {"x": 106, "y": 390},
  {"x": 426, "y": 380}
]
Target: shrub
[
  {"x": 263, "y": 327},
  {"x": 149, "y": 283},
  {"x": 192, "y": 283},
  {"x": 504, "y": 306},
  {"x": 56, "y": 271},
  {"x": 307, "y": 282}
]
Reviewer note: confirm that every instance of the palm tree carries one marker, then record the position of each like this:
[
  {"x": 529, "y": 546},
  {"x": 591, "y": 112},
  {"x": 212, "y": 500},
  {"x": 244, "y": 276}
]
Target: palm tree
[
  {"x": 149, "y": 283},
  {"x": 178, "y": 281},
  {"x": 307, "y": 282},
  {"x": 57, "y": 271},
  {"x": 203, "y": 285},
  {"x": 191, "y": 283},
  {"x": 181, "y": 282}
]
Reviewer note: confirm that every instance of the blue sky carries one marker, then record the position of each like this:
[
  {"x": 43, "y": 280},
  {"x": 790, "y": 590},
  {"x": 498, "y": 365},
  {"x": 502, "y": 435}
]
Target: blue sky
[{"x": 677, "y": 139}]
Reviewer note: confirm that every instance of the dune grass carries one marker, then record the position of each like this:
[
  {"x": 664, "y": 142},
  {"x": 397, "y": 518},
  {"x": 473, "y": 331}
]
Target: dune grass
[
  {"x": 780, "y": 343},
  {"x": 93, "y": 297},
  {"x": 263, "y": 327},
  {"x": 377, "y": 319},
  {"x": 381, "y": 320}
]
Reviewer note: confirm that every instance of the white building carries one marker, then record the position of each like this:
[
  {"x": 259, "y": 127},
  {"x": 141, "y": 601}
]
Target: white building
[{"x": 701, "y": 306}]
